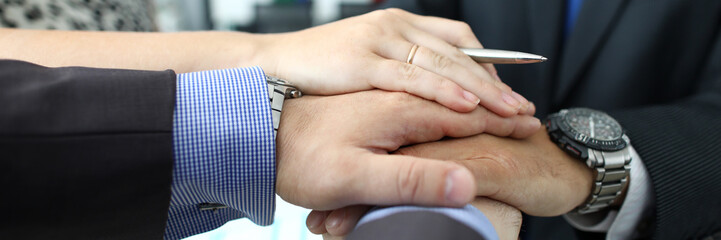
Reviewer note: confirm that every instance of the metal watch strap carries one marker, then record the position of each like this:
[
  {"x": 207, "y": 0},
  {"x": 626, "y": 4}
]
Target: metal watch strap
[
  {"x": 611, "y": 170},
  {"x": 278, "y": 91}
]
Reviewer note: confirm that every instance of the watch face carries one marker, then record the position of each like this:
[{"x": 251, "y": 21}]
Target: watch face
[
  {"x": 594, "y": 128},
  {"x": 594, "y": 124}
]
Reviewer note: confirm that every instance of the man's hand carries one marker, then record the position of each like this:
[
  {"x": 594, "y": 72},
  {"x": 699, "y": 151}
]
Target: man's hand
[
  {"x": 332, "y": 151},
  {"x": 505, "y": 218},
  {"x": 533, "y": 174}
]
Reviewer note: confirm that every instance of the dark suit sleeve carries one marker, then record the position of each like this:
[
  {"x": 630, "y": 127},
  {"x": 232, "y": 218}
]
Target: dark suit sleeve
[
  {"x": 679, "y": 144},
  {"x": 84, "y": 153}
]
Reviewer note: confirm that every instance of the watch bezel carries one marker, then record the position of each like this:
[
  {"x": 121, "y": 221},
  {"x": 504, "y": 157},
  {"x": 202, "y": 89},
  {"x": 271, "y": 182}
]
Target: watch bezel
[{"x": 603, "y": 145}]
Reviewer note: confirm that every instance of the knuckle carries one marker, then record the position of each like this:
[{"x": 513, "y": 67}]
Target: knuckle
[
  {"x": 465, "y": 33},
  {"x": 492, "y": 70},
  {"x": 395, "y": 10},
  {"x": 464, "y": 28},
  {"x": 499, "y": 84},
  {"x": 477, "y": 127},
  {"x": 489, "y": 87},
  {"x": 409, "y": 73},
  {"x": 458, "y": 54},
  {"x": 382, "y": 15},
  {"x": 506, "y": 128},
  {"x": 409, "y": 178},
  {"x": 440, "y": 62},
  {"x": 448, "y": 84}
]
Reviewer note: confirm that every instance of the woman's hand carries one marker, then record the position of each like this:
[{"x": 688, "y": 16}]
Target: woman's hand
[
  {"x": 360, "y": 53},
  {"x": 371, "y": 51}
]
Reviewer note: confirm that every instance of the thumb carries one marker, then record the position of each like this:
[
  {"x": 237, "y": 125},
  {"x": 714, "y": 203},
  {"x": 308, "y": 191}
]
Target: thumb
[{"x": 396, "y": 179}]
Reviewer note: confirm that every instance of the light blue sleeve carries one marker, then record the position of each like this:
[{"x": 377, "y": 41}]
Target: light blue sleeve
[
  {"x": 224, "y": 151},
  {"x": 468, "y": 215}
]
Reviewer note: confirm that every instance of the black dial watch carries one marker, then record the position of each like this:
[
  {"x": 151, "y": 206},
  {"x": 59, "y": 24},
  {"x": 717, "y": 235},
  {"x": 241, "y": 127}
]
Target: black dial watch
[{"x": 599, "y": 140}]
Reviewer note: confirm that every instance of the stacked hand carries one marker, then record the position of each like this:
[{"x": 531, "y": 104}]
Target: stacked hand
[
  {"x": 370, "y": 51},
  {"x": 333, "y": 151},
  {"x": 530, "y": 174}
]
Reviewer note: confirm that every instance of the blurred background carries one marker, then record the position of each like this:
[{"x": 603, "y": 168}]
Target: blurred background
[{"x": 258, "y": 16}]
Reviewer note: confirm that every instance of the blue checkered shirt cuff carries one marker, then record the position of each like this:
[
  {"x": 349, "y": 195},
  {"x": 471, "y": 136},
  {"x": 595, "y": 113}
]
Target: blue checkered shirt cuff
[{"x": 224, "y": 151}]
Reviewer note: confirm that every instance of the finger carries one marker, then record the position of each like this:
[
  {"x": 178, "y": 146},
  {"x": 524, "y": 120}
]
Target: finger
[
  {"x": 395, "y": 179},
  {"x": 445, "y": 49},
  {"x": 519, "y": 126},
  {"x": 497, "y": 179},
  {"x": 456, "y": 33},
  {"x": 398, "y": 76},
  {"x": 422, "y": 79},
  {"x": 342, "y": 221},
  {"x": 438, "y": 45},
  {"x": 316, "y": 221},
  {"x": 491, "y": 173},
  {"x": 530, "y": 110},
  {"x": 426, "y": 121}
]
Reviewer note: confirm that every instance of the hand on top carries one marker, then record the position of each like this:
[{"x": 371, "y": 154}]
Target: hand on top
[{"x": 371, "y": 51}]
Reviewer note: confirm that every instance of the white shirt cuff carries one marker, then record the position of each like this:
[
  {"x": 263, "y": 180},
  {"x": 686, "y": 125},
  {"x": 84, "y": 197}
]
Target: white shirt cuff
[{"x": 622, "y": 223}]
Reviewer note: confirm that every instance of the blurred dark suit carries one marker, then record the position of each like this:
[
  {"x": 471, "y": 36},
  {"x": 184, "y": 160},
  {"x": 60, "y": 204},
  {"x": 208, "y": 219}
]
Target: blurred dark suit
[
  {"x": 653, "y": 65},
  {"x": 84, "y": 153}
]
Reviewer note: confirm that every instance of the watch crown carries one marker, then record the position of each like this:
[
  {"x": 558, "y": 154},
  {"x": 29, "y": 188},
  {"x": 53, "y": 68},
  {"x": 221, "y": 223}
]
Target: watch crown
[{"x": 294, "y": 93}]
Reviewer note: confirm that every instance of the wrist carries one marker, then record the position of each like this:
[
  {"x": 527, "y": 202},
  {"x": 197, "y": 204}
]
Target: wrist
[
  {"x": 597, "y": 139},
  {"x": 581, "y": 175},
  {"x": 223, "y": 50},
  {"x": 266, "y": 52}
]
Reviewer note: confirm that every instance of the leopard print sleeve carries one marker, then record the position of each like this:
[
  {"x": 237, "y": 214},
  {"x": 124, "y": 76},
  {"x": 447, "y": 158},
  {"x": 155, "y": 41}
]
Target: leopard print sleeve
[{"x": 97, "y": 15}]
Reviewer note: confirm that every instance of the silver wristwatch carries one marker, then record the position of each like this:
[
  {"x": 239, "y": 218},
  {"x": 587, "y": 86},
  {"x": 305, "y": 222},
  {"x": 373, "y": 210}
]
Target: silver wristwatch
[
  {"x": 278, "y": 91},
  {"x": 599, "y": 140}
]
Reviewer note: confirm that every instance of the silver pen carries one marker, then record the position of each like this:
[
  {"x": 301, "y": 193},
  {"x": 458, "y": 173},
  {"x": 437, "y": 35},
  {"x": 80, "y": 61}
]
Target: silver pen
[{"x": 484, "y": 55}]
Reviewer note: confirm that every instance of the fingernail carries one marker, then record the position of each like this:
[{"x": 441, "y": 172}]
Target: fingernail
[
  {"x": 333, "y": 221},
  {"x": 471, "y": 97},
  {"x": 314, "y": 220},
  {"x": 515, "y": 104},
  {"x": 456, "y": 197},
  {"x": 519, "y": 97}
]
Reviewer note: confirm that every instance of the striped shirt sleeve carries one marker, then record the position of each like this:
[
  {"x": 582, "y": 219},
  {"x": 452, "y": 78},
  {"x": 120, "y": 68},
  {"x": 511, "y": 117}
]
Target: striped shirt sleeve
[{"x": 224, "y": 151}]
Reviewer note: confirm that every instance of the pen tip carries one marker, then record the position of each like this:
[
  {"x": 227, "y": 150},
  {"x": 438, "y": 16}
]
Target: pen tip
[{"x": 543, "y": 59}]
